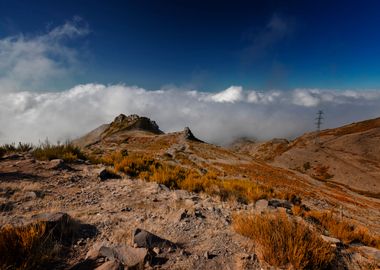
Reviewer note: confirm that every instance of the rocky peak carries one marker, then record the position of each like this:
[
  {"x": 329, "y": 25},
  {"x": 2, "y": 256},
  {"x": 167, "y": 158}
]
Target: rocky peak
[
  {"x": 133, "y": 122},
  {"x": 188, "y": 135}
]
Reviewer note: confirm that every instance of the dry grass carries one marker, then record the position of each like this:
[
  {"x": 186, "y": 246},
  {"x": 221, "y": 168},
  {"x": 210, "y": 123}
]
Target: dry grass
[
  {"x": 26, "y": 247},
  {"x": 46, "y": 151},
  {"x": 173, "y": 176},
  {"x": 343, "y": 229},
  {"x": 321, "y": 173},
  {"x": 13, "y": 148},
  {"x": 67, "y": 151},
  {"x": 283, "y": 242}
]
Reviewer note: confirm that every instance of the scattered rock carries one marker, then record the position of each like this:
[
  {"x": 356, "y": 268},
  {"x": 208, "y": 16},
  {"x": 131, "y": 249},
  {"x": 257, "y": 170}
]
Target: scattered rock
[
  {"x": 57, "y": 164},
  {"x": 132, "y": 258},
  {"x": 30, "y": 195},
  {"x": 105, "y": 174},
  {"x": 261, "y": 205},
  {"x": 145, "y": 239},
  {"x": 280, "y": 203},
  {"x": 180, "y": 215},
  {"x": 157, "y": 250},
  {"x": 333, "y": 241},
  {"x": 110, "y": 265}
]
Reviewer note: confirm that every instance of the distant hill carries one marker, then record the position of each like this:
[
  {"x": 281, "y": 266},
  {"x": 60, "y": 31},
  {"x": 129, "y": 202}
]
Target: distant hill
[{"x": 347, "y": 155}]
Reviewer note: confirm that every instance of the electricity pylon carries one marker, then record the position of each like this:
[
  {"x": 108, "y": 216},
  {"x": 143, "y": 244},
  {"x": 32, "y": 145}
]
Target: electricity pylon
[{"x": 318, "y": 123}]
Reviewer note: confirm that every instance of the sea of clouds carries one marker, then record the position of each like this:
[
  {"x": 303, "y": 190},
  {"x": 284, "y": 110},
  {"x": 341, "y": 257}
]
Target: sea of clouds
[{"x": 29, "y": 112}]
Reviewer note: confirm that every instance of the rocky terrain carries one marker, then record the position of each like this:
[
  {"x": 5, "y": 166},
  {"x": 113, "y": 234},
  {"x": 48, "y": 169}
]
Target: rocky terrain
[{"x": 126, "y": 222}]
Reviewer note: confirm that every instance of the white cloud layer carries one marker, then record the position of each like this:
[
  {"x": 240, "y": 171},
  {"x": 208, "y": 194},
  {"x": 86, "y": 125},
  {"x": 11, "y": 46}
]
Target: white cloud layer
[{"x": 214, "y": 117}]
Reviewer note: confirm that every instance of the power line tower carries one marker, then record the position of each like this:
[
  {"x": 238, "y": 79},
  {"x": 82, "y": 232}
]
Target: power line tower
[{"x": 318, "y": 124}]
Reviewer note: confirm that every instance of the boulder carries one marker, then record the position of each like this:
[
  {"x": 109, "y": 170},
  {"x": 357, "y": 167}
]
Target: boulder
[
  {"x": 145, "y": 239},
  {"x": 132, "y": 258}
]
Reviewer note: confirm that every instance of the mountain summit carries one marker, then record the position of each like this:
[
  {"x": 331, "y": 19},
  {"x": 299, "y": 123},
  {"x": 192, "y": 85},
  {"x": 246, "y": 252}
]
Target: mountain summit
[
  {"x": 132, "y": 122},
  {"x": 121, "y": 127}
]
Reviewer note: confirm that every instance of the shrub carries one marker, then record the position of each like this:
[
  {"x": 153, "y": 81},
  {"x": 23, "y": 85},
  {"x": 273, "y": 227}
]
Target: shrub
[
  {"x": 24, "y": 147},
  {"x": 11, "y": 148},
  {"x": 282, "y": 241},
  {"x": 343, "y": 229},
  {"x": 26, "y": 247},
  {"x": 68, "y": 152},
  {"x": 149, "y": 169},
  {"x": 321, "y": 173}
]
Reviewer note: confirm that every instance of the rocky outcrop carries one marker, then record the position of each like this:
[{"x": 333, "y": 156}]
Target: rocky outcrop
[
  {"x": 188, "y": 135},
  {"x": 132, "y": 122}
]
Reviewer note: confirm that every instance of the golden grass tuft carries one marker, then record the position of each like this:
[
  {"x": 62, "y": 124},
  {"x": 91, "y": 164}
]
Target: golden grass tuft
[
  {"x": 284, "y": 242},
  {"x": 25, "y": 247},
  {"x": 174, "y": 176},
  {"x": 67, "y": 151},
  {"x": 343, "y": 229}
]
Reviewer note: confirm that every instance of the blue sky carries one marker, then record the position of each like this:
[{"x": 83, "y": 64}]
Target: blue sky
[{"x": 211, "y": 45}]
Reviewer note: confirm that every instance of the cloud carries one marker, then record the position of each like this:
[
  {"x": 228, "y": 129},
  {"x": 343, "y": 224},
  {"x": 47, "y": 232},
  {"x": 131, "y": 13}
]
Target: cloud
[
  {"x": 231, "y": 94},
  {"x": 30, "y": 112},
  {"x": 36, "y": 62},
  {"x": 214, "y": 117}
]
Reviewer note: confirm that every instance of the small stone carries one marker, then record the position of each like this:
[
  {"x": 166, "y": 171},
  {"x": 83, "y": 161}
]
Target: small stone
[
  {"x": 30, "y": 195},
  {"x": 156, "y": 250},
  {"x": 280, "y": 203},
  {"x": 57, "y": 164},
  {"x": 261, "y": 205},
  {"x": 206, "y": 255},
  {"x": 330, "y": 239}
]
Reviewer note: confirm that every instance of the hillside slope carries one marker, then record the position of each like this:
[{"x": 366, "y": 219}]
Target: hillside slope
[{"x": 348, "y": 155}]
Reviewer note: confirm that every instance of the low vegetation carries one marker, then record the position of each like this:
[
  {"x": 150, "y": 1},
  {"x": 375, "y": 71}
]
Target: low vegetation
[
  {"x": 13, "y": 148},
  {"x": 321, "y": 173},
  {"x": 174, "y": 176},
  {"x": 285, "y": 242},
  {"x": 26, "y": 247},
  {"x": 46, "y": 151},
  {"x": 67, "y": 151},
  {"x": 342, "y": 228}
]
